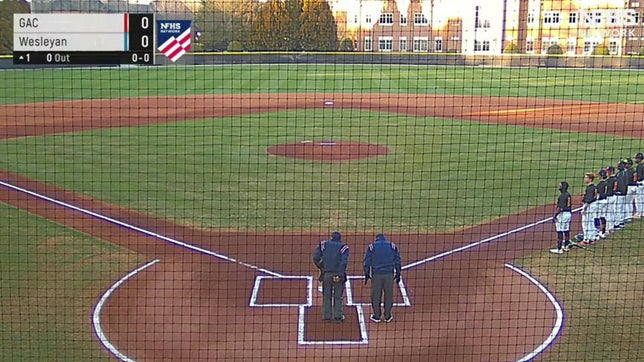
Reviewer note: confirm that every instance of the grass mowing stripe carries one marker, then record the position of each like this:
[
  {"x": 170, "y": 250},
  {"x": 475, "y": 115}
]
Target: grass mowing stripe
[{"x": 23, "y": 86}]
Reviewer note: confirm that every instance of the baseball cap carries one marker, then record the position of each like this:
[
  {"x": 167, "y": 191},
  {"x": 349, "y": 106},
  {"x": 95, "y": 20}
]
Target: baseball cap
[{"x": 639, "y": 156}]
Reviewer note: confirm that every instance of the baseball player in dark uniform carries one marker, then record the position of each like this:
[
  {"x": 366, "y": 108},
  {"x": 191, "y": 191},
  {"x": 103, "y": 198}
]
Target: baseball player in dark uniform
[
  {"x": 382, "y": 265},
  {"x": 631, "y": 189},
  {"x": 611, "y": 212},
  {"x": 639, "y": 197},
  {"x": 602, "y": 203},
  {"x": 621, "y": 189},
  {"x": 331, "y": 257},
  {"x": 588, "y": 210},
  {"x": 562, "y": 218}
]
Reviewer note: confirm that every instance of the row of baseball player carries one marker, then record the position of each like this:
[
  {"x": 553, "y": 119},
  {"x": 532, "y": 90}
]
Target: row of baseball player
[
  {"x": 381, "y": 263},
  {"x": 612, "y": 198}
]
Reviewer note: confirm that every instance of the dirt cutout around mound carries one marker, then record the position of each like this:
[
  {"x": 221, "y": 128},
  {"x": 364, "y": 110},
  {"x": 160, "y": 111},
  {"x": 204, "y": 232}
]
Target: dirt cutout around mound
[{"x": 328, "y": 150}]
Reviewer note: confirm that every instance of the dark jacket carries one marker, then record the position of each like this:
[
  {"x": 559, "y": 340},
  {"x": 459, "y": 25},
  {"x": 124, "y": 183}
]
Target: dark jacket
[
  {"x": 332, "y": 256},
  {"x": 382, "y": 257}
]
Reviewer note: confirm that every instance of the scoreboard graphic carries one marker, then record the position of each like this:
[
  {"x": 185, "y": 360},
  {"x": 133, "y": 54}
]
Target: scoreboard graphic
[{"x": 83, "y": 39}]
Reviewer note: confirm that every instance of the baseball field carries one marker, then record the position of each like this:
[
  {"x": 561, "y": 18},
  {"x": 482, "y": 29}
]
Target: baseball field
[{"x": 170, "y": 212}]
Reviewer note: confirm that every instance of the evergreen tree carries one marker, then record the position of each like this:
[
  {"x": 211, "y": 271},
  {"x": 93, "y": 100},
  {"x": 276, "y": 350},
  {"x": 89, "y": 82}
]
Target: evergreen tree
[
  {"x": 276, "y": 26},
  {"x": 223, "y": 21},
  {"x": 7, "y": 9},
  {"x": 318, "y": 29}
]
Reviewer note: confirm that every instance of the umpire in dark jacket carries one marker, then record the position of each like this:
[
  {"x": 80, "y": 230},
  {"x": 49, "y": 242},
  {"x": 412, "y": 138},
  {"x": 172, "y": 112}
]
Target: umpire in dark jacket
[
  {"x": 331, "y": 257},
  {"x": 382, "y": 265}
]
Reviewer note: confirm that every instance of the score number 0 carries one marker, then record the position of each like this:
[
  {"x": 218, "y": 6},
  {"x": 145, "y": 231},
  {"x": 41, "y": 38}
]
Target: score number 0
[{"x": 145, "y": 41}]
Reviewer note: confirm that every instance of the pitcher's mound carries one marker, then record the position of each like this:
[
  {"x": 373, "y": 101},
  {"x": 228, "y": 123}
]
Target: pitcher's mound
[{"x": 328, "y": 150}]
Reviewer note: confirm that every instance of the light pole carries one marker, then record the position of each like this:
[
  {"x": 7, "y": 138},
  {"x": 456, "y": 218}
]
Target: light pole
[{"x": 431, "y": 28}]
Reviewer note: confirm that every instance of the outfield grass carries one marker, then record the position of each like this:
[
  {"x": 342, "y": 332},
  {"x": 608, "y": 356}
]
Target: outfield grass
[
  {"x": 21, "y": 86},
  {"x": 51, "y": 279},
  {"x": 217, "y": 173}
]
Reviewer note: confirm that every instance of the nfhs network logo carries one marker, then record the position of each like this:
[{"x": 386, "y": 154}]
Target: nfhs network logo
[
  {"x": 174, "y": 38},
  {"x": 170, "y": 26}
]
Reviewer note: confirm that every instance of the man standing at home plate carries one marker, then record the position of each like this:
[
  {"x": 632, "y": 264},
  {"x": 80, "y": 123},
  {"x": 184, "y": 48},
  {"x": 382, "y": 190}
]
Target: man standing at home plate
[
  {"x": 382, "y": 264},
  {"x": 331, "y": 257}
]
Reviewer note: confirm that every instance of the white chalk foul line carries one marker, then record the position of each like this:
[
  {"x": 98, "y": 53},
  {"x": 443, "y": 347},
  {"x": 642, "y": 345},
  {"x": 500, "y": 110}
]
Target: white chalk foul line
[
  {"x": 110, "y": 347},
  {"x": 556, "y": 328},
  {"x": 96, "y": 318},
  {"x": 477, "y": 243},
  {"x": 139, "y": 230}
]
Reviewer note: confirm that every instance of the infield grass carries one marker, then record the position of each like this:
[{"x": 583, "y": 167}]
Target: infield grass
[{"x": 440, "y": 174}]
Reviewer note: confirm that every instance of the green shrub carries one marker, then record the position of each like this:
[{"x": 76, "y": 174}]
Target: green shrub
[
  {"x": 346, "y": 45},
  {"x": 235, "y": 46},
  {"x": 511, "y": 48},
  {"x": 601, "y": 49},
  {"x": 197, "y": 47},
  {"x": 554, "y": 49}
]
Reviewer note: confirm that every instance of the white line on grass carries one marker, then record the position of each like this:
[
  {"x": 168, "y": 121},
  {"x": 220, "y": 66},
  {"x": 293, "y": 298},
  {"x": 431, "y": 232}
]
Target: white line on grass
[
  {"x": 140, "y": 230},
  {"x": 96, "y": 319},
  {"x": 556, "y": 329},
  {"x": 477, "y": 243}
]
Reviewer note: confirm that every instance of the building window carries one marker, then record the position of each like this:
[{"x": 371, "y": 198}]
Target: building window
[
  {"x": 420, "y": 19},
  {"x": 529, "y": 46},
  {"x": 385, "y": 44},
  {"x": 636, "y": 18},
  {"x": 403, "y": 19},
  {"x": 481, "y": 46},
  {"x": 551, "y": 17},
  {"x": 593, "y": 18},
  {"x": 387, "y": 18},
  {"x": 589, "y": 46},
  {"x": 367, "y": 19},
  {"x": 612, "y": 46},
  {"x": 438, "y": 44},
  {"x": 598, "y": 17},
  {"x": 613, "y": 18},
  {"x": 367, "y": 43},
  {"x": 531, "y": 18},
  {"x": 572, "y": 18},
  {"x": 403, "y": 44},
  {"x": 420, "y": 44},
  {"x": 483, "y": 24}
]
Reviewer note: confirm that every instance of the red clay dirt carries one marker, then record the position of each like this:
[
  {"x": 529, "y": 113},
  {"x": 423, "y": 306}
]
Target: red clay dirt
[{"x": 193, "y": 305}]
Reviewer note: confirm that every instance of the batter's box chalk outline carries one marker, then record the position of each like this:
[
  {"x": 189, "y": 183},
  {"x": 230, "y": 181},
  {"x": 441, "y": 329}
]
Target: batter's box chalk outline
[
  {"x": 364, "y": 337},
  {"x": 401, "y": 287},
  {"x": 258, "y": 283}
]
